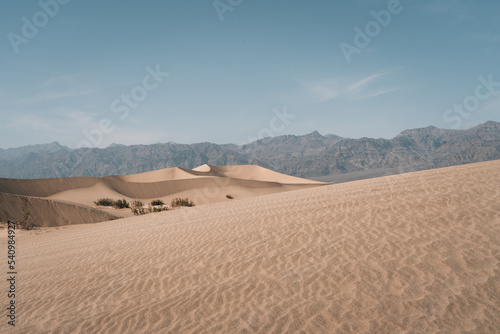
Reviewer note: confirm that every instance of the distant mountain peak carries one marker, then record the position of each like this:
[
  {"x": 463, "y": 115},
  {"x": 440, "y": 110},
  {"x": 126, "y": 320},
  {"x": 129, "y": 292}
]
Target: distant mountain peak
[
  {"x": 314, "y": 134},
  {"x": 488, "y": 124},
  {"x": 54, "y": 144},
  {"x": 422, "y": 131},
  {"x": 115, "y": 145}
]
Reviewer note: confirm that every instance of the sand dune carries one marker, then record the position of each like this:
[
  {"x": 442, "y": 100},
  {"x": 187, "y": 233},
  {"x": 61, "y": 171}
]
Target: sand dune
[
  {"x": 167, "y": 174},
  {"x": 206, "y": 184},
  {"x": 44, "y": 187},
  {"x": 53, "y": 213},
  {"x": 411, "y": 253},
  {"x": 252, "y": 172}
]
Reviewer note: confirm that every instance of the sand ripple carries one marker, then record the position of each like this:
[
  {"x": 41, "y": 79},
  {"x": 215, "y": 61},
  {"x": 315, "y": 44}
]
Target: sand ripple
[{"x": 412, "y": 253}]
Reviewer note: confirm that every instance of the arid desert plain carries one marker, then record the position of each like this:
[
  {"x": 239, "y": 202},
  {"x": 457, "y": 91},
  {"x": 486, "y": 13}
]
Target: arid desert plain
[{"x": 410, "y": 253}]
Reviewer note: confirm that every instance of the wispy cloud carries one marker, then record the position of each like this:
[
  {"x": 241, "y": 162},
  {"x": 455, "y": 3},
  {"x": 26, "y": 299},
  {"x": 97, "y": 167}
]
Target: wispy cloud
[
  {"x": 57, "y": 121},
  {"x": 50, "y": 90},
  {"x": 50, "y": 96},
  {"x": 361, "y": 84},
  {"x": 355, "y": 89},
  {"x": 57, "y": 81},
  {"x": 57, "y": 88}
]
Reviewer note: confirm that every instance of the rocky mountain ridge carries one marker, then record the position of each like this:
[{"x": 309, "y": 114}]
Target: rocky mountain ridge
[{"x": 311, "y": 156}]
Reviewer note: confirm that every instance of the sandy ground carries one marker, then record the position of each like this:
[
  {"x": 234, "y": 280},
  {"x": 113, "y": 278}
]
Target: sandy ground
[
  {"x": 64, "y": 201},
  {"x": 411, "y": 253}
]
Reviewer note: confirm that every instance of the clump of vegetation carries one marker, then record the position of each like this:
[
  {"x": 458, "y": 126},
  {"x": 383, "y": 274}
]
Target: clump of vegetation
[
  {"x": 137, "y": 204},
  {"x": 141, "y": 211},
  {"x": 121, "y": 204},
  {"x": 104, "y": 202},
  {"x": 176, "y": 202},
  {"x": 229, "y": 196},
  {"x": 163, "y": 208},
  {"x": 138, "y": 211},
  {"x": 157, "y": 202}
]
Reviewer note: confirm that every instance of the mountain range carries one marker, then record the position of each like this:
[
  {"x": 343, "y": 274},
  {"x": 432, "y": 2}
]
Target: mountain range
[{"x": 315, "y": 156}]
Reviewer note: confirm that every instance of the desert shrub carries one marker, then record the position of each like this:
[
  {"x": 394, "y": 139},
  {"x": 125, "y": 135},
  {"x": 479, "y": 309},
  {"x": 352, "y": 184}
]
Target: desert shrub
[
  {"x": 121, "y": 204},
  {"x": 141, "y": 211},
  {"x": 229, "y": 196},
  {"x": 164, "y": 208},
  {"x": 137, "y": 204},
  {"x": 176, "y": 202},
  {"x": 104, "y": 202},
  {"x": 157, "y": 202},
  {"x": 138, "y": 211}
]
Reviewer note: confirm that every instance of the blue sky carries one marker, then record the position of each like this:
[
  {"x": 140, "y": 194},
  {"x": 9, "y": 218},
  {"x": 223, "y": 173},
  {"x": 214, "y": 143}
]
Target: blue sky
[{"x": 233, "y": 65}]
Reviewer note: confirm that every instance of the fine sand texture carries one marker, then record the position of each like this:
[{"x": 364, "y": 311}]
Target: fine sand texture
[
  {"x": 202, "y": 185},
  {"x": 410, "y": 253}
]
